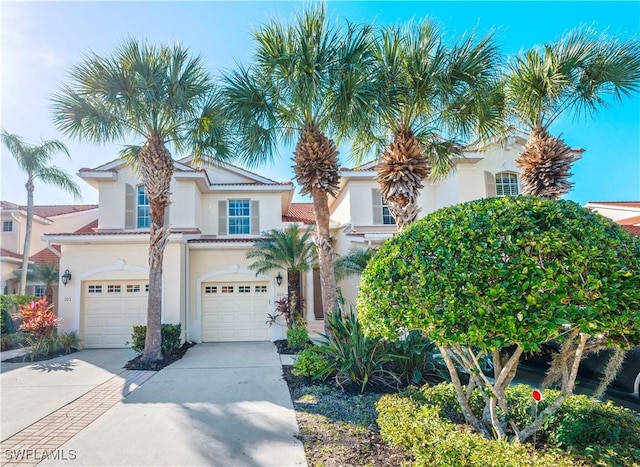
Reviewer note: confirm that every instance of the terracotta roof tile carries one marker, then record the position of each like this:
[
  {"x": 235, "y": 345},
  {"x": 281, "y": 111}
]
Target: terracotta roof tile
[
  {"x": 51, "y": 210},
  {"x": 46, "y": 256},
  {"x": 9, "y": 254},
  {"x": 622, "y": 204},
  {"x": 300, "y": 212},
  {"x": 89, "y": 228},
  {"x": 634, "y": 229},
  {"x": 629, "y": 221}
]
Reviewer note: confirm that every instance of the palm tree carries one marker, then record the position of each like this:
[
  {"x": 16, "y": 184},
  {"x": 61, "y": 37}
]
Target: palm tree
[
  {"x": 354, "y": 262},
  {"x": 34, "y": 160},
  {"x": 47, "y": 273},
  {"x": 428, "y": 99},
  {"x": 161, "y": 96},
  {"x": 575, "y": 75},
  {"x": 290, "y": 249},
  {"x": 307, "y": 82}
]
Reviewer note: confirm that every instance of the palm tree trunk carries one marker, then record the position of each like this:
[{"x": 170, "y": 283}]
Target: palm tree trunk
[
  {"x": 156, "y": 167},
  {"x": 325, "y": 251},
  {"x": 48, "y": 294},
  {"x": 27, "y": 236}
]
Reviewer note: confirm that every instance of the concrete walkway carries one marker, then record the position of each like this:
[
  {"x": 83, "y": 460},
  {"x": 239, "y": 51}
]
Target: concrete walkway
[{"x": 221, "y": 405}]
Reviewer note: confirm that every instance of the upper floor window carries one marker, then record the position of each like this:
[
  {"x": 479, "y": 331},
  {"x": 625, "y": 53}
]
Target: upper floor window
[
  {"x": 506, "y": 184},
  {"x": 7, "y": 226},
  {"x": 239, "y": 216},
  {"x": 381, "y": 212},
  {"x": 143, "y": 208}
]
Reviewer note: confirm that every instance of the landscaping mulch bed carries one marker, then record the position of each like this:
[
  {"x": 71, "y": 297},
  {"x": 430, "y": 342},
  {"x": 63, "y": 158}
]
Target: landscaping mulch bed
[
  {"x": 137, "y": 364},
  {"x": 338, "y": 428}
]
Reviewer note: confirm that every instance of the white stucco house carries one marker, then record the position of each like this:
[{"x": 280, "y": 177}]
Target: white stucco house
[{"x": 216, "y": 214}]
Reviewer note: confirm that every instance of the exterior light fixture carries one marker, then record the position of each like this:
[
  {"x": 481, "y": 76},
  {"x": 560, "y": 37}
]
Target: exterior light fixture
[
  {"x": 279, "y": 278},
  {"x": 66, "y": 277}
]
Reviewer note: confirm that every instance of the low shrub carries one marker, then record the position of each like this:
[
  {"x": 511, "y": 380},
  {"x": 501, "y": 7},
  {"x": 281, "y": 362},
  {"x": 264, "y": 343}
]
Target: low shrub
[
  {"x": 417, "y": 426},
  {"x": 412, "y": 358},
  {"x": 12, "y": 341},
  {"x": 297, "y": 338},
  {"x": 170, "y": 338},
  {"x": 311, "y": 362},
  {"x": 7, "y": 304},
  {"x": 353, "y": 357},
  {"x": 42, "y": 346},
  {"x": 38, "y": 318},
  {"x": 69, "y": 341},
  {"x": 600, "y": 433}
]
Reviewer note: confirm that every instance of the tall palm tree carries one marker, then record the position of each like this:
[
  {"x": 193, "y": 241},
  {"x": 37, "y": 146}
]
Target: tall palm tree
[
  {"x": 429, "y": 99},
  {"x": 307, "y": 82},
  {"x": 576, "y": 75},
  {"x": 290, "y": 249},
  {"x": 160, "y": 96},
  {"x": 34, "y": 160}
]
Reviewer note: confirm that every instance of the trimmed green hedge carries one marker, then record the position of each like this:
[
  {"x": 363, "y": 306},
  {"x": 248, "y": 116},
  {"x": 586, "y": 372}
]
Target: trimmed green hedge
[
  {"x": 428, "y": 423},
  {"x": 170, "y": 338}
]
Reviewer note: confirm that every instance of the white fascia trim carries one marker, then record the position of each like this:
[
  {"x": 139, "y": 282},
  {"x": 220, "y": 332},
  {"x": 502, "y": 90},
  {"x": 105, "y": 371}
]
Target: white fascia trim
[
  {"x": 232, "y": 188},
  {"x": 371, "y": 174},
  {"x": 102, "y": 176}
]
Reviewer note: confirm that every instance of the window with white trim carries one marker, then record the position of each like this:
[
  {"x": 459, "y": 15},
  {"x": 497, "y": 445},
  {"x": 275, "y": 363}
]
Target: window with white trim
[
  {"x": 506, "y": 184},
  {"x": 142, "y": 208},
  {"x": 239, "y": 217},
  {"x": 387, "y": 217},
  {"x": 7, "y": 226},
  {"x": 39, "y": 290}
]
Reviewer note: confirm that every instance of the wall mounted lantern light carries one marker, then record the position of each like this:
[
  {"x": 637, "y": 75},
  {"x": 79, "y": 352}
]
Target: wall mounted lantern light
[
  {"x": 279, "y": 278},
  {"x": 66, "y": 277}
]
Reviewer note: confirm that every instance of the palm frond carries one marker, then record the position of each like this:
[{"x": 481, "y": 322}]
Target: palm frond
[{"x": 57, "y": 177}]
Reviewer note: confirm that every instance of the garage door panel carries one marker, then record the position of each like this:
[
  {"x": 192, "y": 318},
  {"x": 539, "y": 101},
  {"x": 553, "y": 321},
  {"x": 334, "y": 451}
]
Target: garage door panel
[
  {"x": 109, "y": 317},
  {"x": 235, "y": 312}
]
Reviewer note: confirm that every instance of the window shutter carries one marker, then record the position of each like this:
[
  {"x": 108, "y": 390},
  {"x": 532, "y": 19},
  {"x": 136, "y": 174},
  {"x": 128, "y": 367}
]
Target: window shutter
[
  {"x": 377, "y": 206},
  {"x": 255, "y": 217},
  {"x": 222, "y": 218},
  {"x": 167, "y": 213},
  {"x": 130, "y": 207},
  {"x": 490, "y": 184}
]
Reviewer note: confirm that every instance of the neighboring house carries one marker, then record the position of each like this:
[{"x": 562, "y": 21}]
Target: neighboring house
[
  {"x": 624, "y": 213},
  {"x": 45, "y": 219},
  {"x": 216, "y": 214}
]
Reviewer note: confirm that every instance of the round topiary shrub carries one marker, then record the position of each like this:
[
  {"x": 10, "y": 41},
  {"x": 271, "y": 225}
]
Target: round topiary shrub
[{"x": 498, "y": 273}]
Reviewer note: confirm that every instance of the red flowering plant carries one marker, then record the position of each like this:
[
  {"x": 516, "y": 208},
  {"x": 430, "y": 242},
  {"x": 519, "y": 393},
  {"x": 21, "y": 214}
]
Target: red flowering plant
[{"x": 38, "y": 318}]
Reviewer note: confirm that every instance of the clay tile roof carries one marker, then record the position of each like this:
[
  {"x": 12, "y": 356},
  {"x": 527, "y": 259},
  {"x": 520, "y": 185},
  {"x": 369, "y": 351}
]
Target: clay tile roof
[
  {"x": 89, "y": 228},
  {"x": 206, "y": 239},
  {"x": 8, "y": 205},
  {"x": 9, "y": 254},
  {"x": 622, "y": 204},
  {"x": 634, "y": 229},
  {"x": 46, "y": 256},
  {"x": 52, "y": 211},
  {"x": 629, "y": 221},
  {"x": 300, "y": 212}
]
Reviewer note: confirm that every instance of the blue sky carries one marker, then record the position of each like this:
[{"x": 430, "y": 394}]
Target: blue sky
[{"x": 42, "y": 40}]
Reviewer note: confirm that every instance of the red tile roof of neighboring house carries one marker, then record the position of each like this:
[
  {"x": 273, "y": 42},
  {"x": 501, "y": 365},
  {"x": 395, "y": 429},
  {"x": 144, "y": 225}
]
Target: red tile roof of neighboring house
[
  {"x": 634, "y": 229},
  {"x": 629, "y": 221},
  {"x": 51, "y": 210},
  {"x": 46, "y": 256},
  {"x": 89, "y": 228},
  {"x": 300, "y": 212},
  {"x": 89, "y": 231},
  {"x": 9, "y": 254},
  {"x": 624, "y": 204},
  {"x": 225, "y": 240}
]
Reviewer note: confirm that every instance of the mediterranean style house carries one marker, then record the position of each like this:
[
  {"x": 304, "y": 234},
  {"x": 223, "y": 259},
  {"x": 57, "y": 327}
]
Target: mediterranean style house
[{"x": 216, "y": 214}]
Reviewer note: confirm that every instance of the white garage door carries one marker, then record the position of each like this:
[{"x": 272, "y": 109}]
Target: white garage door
[
  {"x": 235, "y": 311},
  {"x": 110, "y": 310}
]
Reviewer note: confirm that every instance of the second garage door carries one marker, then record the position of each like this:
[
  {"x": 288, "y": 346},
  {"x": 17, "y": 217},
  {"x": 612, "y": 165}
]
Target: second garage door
[
  {"x": 235, "y": 311},
  {"x": 110, "y": 310}
]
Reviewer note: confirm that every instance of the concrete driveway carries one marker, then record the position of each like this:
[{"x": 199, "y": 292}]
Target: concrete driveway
[
  {"x": 221, "y": 405},
  {"x": 31, "y": 391}
]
